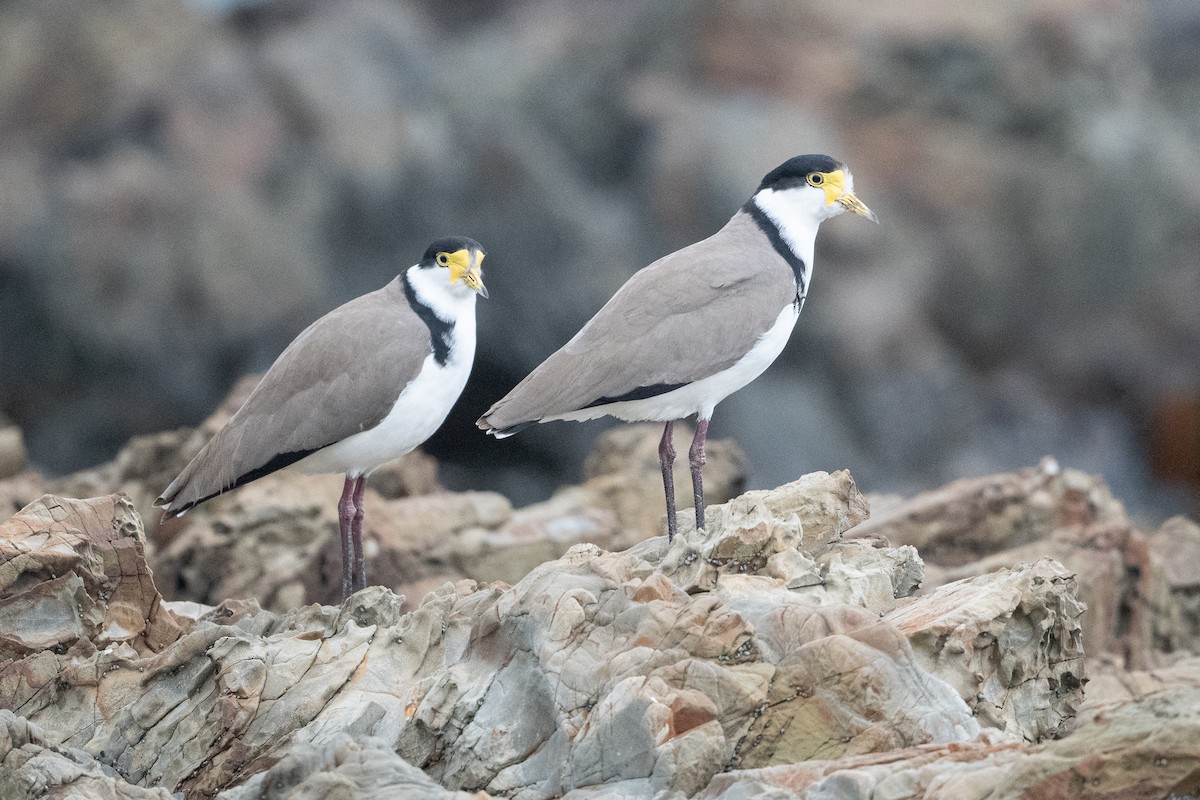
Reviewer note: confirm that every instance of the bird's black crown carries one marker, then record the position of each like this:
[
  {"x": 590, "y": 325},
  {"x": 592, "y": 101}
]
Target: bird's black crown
[
  {"x": 793, "y": 171},
  {"x": 450, "y": 244}
]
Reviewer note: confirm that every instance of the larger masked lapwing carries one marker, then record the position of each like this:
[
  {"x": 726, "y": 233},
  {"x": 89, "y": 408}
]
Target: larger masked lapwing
[
  {"x": 695, "y": 326},
  {"x": 363, "y": 385}
]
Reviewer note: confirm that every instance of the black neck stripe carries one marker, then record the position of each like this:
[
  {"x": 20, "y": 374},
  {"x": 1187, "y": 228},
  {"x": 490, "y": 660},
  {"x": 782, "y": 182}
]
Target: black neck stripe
[
  {"x": 768, "y": 226},
  {"x": 440, "y": 331}
]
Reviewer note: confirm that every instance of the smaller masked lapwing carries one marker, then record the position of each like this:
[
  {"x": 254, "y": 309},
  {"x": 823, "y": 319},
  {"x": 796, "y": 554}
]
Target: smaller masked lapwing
[
  {"x": 361, "y": 386},
  {"x": 695, "y": 326}
]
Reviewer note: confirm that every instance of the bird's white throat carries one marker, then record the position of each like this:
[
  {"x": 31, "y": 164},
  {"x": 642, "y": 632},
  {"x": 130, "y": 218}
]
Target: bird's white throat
[
  {"x": 797, "y": 213},
  {"x": 451, "y": 302}
]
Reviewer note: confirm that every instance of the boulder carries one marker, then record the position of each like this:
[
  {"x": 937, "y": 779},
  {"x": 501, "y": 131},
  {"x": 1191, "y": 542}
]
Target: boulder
[
  {"x": 975, "y": 526},
  {"x": 974, "y": 633},
  {"x": 73, "y": 574},
  {"x": 1170, "y": 595},
  {"x": 1140, "y": 747}
]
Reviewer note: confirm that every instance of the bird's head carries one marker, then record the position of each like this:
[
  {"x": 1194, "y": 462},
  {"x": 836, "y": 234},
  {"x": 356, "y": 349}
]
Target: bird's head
[
  {"x": 462, "y": 258},
  {"x": 814, "y": 186}
]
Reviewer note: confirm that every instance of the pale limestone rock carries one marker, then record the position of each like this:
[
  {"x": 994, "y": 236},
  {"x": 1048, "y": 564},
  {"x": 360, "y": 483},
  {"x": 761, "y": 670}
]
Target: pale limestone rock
[
  {"x": 344, "y": 768},
  {"x": 1171, "y": 590},
  {"x": 73, "y": 571},
  {"x": 1142, "y": 747},
  {"x": 1010, "y": 644},
  {"x": 768, "y": 648},
  {"x": 792, "y": 525},
  {"x": 980, "y": 525},
  {"x": 597, "y": 668},
  {"x": 32, "y": 767}
]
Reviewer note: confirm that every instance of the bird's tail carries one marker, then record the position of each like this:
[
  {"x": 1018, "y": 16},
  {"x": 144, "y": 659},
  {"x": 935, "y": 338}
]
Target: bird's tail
[
  {"x": 485, "y": 425},
  {"x": 168, "y": 500}
]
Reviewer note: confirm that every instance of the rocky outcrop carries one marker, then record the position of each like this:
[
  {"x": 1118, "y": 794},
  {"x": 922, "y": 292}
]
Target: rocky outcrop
[
  {"x": 979, "y": 525},
  {"x": 1170, "y": 592},
  {"x": 1143, "y": 748},
  {"x": 974, "y": 633},
  {"x": 754, "y": 643},
  {"x": 788, "y": 650},
  {"x": 32, "y": 765},
  {"x": 73, "y": 573}
]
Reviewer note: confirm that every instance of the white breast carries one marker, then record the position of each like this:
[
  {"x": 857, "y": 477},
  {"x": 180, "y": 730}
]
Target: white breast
[{"x": 703, "y": 395}]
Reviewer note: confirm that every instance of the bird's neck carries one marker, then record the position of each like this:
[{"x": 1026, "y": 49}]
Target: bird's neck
[
  {"x": 448, "y": 312},
  {"x": 790, "y": 228},
  {"x": 432, "y": 289}
]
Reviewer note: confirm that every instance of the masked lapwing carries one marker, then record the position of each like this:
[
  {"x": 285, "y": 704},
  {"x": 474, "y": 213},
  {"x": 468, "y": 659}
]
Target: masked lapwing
[
  {"x": 695, "y": 326},
  {"x": 363, "y": 385}
]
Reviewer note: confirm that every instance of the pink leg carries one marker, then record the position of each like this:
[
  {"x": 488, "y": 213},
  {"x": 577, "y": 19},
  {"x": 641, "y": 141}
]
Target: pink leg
[
  {"x": 697, "y": 459},
  {"x": 346, "y": 513},
  {"x": 360, "y": 565},
  {"x": 666, "y": 458}
]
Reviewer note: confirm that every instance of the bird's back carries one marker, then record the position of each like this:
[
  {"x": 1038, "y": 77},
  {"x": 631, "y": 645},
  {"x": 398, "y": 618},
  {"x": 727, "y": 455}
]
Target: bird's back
[{"x": 685, "y": 317}]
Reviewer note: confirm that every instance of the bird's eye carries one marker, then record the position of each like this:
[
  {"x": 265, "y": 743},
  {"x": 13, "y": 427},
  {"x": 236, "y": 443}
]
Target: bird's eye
[
  {"x": 815, "y": 179},
  {"x": 443, "y": 259}
]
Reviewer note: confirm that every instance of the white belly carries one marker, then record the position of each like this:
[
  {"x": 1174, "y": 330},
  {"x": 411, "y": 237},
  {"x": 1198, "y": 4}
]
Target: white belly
[
  {"x": 703, "y": 395},
  {"x": 419, "y": 411}
]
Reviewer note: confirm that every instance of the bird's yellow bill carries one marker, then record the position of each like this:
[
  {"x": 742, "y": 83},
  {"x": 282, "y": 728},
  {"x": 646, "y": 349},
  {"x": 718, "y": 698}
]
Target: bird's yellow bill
[
  {"x": 850, "y": 202},
  {"x": 835, "y": 192},
  {"x": 464, "y": 266}
]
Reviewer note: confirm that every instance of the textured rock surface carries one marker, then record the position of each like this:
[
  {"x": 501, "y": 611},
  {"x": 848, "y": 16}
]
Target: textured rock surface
[
  {"x": 975, "y": 633},
  {"x": 1171, "y": 589},
  {"x": 346, "y": 766},
  {"x": 1139, "y": 747},
  {"x": 32, "y": 766},
  {"x": 598, "y": 667},
  {"x": 786, "y": 651},
  {"x": 73, "y": 572},
  {"x": 976, "y": 526}
]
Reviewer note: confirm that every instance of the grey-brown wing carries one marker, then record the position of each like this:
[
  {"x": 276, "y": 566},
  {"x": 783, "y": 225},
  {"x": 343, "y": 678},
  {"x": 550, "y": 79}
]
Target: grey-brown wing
[
  {"x": 341, "y": 375},
  {"x": 683, "y": 318}
]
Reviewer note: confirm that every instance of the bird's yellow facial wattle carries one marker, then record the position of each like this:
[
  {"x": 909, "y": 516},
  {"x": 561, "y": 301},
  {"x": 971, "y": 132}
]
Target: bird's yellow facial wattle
[
  {"x": 464, "y": 265},
  {"x": 834, "y": 185}
]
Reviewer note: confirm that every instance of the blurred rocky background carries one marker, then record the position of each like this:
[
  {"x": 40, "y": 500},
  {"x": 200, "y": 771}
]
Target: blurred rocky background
[{"x": 183, "y": 186}]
